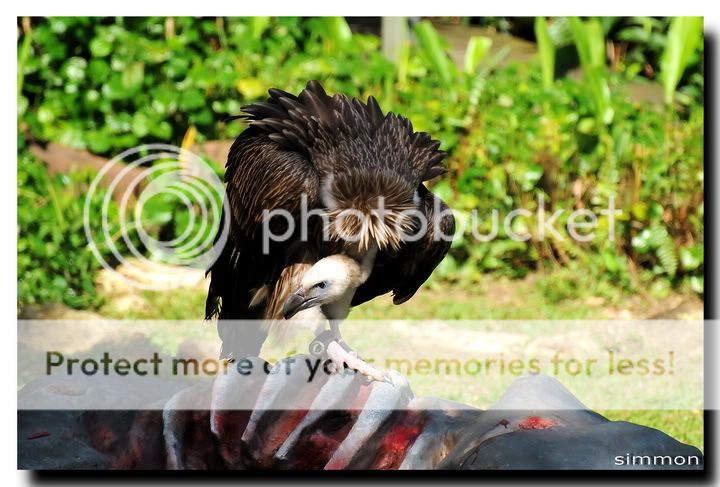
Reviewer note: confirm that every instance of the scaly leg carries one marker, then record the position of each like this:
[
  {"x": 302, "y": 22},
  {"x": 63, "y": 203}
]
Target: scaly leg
[{"x": 340, "y": 354}]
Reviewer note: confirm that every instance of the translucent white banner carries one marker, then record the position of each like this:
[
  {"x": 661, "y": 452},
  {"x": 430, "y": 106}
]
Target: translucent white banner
[{"x": 584, "y": 364}]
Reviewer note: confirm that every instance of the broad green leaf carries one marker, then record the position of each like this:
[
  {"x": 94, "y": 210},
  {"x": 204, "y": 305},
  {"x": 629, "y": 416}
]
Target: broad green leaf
[
  {"x": 258, "y": 25},
  {"x": 590, "y": 44},
  {"x": 74, "y": 68},
  {"x": 337, "y": 32},
  {"x": 546, "y": 51},
  {"x": 691, "y": 258},
  {"x": 100, "y": 47},
  {"x": 683, "y": 39},
  {"x": 697, "y": 283},
  {"x": 431, "y": 46},
  {"x": 132, "y": 76},
  {"x": 476, "y": 50}
]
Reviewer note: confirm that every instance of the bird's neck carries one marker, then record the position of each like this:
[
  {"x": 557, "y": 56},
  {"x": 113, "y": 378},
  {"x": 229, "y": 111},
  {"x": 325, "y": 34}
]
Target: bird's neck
[
  {"x": 365, "y": 259},
  {"x": 367, "y": 262},
  {"x": 339, "y": 309}
]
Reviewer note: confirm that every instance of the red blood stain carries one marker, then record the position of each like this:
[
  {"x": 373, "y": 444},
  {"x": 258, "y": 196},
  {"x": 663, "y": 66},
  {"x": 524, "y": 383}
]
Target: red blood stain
[
  {"x": 39, "y": 434},
  {"x": 322, "y": 443},
  {"x": 103, "y": 438},
  {"x": 271, "y": 436},
  {"x": 397, "y": 441},
  {"x": 536, "y": 423},
  {"x": 228, "y": 426},
  {"x": 230, "y": 423}
]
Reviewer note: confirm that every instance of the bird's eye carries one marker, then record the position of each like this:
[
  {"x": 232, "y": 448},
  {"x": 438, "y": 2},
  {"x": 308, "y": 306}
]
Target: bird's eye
[{"x": 321, "y": 285}]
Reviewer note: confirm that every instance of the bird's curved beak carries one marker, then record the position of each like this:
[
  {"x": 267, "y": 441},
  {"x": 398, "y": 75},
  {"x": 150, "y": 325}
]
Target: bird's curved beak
[{"x": 296, "y": 303}]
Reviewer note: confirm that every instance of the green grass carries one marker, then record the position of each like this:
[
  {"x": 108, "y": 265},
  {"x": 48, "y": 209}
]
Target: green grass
[
  {"x": 500, "y": 299},
  {"x": 683, "y": 425},
  {"x": 179, "y": 304}
]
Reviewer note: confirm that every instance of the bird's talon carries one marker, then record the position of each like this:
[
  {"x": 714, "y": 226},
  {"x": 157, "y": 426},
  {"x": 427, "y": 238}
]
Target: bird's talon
[{"x": 334, "y": 367}]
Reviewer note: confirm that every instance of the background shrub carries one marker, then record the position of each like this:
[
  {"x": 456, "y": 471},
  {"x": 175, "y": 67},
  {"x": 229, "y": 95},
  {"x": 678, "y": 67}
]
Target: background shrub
[{"x": 513, "y": 132}]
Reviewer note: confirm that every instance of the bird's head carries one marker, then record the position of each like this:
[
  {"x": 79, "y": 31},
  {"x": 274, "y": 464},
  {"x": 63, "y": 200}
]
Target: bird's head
[{"x": 328, "y": 281}]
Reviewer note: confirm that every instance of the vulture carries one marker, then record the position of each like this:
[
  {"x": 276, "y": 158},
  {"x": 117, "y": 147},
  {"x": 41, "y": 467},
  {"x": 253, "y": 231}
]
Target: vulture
[{"x": 360, "y": 173}]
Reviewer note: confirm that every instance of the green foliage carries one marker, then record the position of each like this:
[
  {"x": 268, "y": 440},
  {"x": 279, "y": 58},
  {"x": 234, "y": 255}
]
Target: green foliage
[
  {"x": 664, "y": 48},
  {"x": 546, "y": 50},
  {"x": 54, "y": 262},
  {"x": 683, "y": 38},
  {"x": 590, "y": 44},
  {"x": 477, "y": 49},
  {"x": 433, "y": 47},
  {"x": 657, "y": 240},
  {"x": 511, "y": 159},
  {"x": 512, "y": 134},
  {"x": 110, "y": 84}
]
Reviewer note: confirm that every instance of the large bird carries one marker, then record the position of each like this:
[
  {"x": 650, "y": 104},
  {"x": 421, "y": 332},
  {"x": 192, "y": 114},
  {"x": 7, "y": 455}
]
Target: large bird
[{"x": 360, "y": 172}]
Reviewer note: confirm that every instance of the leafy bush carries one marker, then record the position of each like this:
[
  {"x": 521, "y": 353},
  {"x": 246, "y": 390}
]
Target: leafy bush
[
  {"x": 512, "y": 134},
  {"x": 651, "y": 162},
  {"x": 109, "y": 84},
  {"x": 54, "y": 262}
]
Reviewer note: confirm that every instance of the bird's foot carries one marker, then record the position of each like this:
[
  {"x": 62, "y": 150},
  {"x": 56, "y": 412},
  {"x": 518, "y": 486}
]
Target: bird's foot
[
  {"x": 340, "y": 357},
  {"x": 337, "y": 361}
]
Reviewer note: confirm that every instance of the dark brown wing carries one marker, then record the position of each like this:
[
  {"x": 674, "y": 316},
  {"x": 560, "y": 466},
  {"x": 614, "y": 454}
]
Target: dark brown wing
[
  {"x": 338, "y": 133},
  {"x": 260, "y": 176},
  {"x": 404, "y": 271}
]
